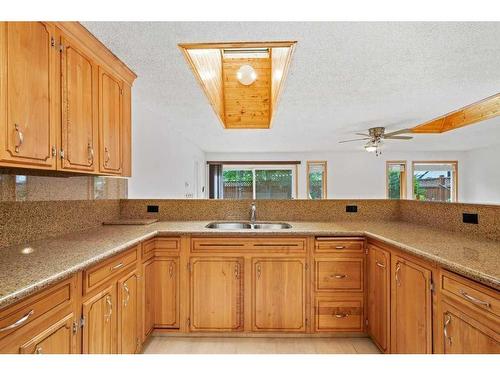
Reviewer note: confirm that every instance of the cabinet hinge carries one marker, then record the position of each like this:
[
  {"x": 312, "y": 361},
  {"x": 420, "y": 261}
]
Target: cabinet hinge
[
  {"x": 121, "y": 91},
  {"x": 188, "y": 322},
  {"x": 82, "y": 321},
  {"x": 432, "y": 286},
  {"x": 61, "y": 154},
  {"x": 75, "y": 328},
  {"x": 61, "y": 47},
  {"x": 52, "y": 41},
  {"x": 54, "y": 151}
]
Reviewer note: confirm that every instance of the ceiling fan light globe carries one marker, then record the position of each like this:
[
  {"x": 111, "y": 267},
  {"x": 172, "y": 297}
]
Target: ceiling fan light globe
[{"x": 246, "y": 75}]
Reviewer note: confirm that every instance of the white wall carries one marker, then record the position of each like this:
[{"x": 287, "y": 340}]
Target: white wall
[
  {"x": 351, "y": 175},
  {"x": 481, "y": 175},
  {"x": 163, "y": 162}
]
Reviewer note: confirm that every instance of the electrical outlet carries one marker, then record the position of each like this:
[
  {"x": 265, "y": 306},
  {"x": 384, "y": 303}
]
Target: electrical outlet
[
  {"x": 153, "y": 208},
  {"x": 470, "y": 218}
]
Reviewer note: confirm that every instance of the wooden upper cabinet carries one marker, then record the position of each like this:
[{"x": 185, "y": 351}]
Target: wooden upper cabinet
[
  {"x": 28, "y": 90},
  {"x": 411, "y": 307},
  {"x": 462, "y": 334},
  {"x": 128, "y": 314},
  {"x": 79, "y": 108},
  {"x": 378, "y": 296},
  {"x": 110, "y": 122},
  {"x": 99, "y": 330},
  {"x": 216, "y": 294},
  {"x": 279, "y": 294}
]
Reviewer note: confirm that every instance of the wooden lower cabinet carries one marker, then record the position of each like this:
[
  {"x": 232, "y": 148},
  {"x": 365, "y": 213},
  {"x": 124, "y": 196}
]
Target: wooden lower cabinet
[
  {"x": 461, "y": 333},
  {"x": 216, "y": 287},
  {"x": 99, "y": 329},
  {"x": 279, "y": 294},
  {"x": 378, "y": 299},
  {"x": 128, "y": 314},
  {"x": 57, "y": 338},
  {"x": 166, "y": 292},
  {"x": 339, "y": 313},
  {"x": 148, "y": 294},
  {"x": 411, "y": 307}
]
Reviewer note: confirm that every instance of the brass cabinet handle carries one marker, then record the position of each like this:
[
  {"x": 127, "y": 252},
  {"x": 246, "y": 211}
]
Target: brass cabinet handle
[
  {"x": 396, "y": 274},
  {"x": 474, "y": 300},
  {"x": 119, "y": 265},
  {"x": 171, "y": 269},
  {"x": 38, "y": 350},
  {"x": 338, "y": 276},
  {"x": 110, "y": 308},
  {"x": 447, "y": 321},
  {"x": 341, "y": 316},
  {"x": 127, "y": 294},
  {"x": 90, "y": 153},
  {"x": 20, "y": 322},
  {"x": 106, "y": 156},
  {"x": 381, "y": 265},
  {"x": 259, "y": 271},
  {"x": 20, "y": 137},
  {"x": 340, "y": 247}
]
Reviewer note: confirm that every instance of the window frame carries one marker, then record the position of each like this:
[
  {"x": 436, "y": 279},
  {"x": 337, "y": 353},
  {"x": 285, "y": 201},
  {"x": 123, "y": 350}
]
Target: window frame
[
  {"x": 454, "y": 194},
  {"x": 309, "y": 163},
  {"x": 267, "y": 166},
  {"x": 404, "y": 179}
]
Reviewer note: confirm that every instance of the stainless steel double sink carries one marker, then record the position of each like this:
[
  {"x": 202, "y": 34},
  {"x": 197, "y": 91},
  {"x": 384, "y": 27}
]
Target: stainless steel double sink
[{"x": 247, "y": 225}]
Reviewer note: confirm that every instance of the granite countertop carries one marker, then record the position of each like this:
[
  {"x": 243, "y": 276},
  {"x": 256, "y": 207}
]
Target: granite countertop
[{"x": 24, "y": 269}]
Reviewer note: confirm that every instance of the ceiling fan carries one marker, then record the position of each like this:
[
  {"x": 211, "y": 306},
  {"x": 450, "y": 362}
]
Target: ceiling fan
[{"x": 376, "y": 135}]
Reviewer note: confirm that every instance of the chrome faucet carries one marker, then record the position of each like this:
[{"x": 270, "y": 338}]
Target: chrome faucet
[{"x": 253, "y": 215}]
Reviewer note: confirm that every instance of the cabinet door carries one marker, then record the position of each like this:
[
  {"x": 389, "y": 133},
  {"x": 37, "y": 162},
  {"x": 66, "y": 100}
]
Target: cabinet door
[
  {"x": 166, "y": 293},
  {"x": 216, "y": 294},
  {"x": 128, "y": 323},
  {"x": 378, "y": 296},
  {"x": 411, "y": 308},
  {"x": 279, "y": 294},
  {"x": 28, "y": 93},
  {"x": 148, "y": 313},
  {"x": 57, "y": 338},
  {"x": 99, "y": 330},
  {"x": 461, "y": 334},
  {"x": 110, "y": 122},
  {"x": 79, "y": 120}
]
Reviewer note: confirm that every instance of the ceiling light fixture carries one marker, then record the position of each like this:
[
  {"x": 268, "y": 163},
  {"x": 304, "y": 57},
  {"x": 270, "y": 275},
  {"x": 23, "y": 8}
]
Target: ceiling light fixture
[
  {"x": 246, "y": 75},
  {"x": 374, "y": 146}
]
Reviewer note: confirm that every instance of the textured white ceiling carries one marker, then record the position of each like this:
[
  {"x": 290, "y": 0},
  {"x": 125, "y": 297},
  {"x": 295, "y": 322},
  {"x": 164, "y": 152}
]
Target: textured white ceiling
[{"x": 344, "y": 78}]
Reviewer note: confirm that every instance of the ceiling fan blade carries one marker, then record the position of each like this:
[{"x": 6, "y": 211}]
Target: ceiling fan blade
[
  {"x": 402, "y": 131},
  {"x": 398, "y": 137},
  {"x": 354, "y": 140},
  {"x": 364, "y": 135}
]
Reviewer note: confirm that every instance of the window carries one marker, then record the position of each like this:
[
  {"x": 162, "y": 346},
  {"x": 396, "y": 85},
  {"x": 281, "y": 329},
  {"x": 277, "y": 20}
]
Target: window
[
  {"x": 316, "y": 179},
  {"x": 252, "y": 181},
  {"x": 396, "y": 179},
  {"x": 435, "y": 181}
]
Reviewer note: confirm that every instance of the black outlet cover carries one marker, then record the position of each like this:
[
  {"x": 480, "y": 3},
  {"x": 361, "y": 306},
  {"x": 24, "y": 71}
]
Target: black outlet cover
[
  {"x": 153, "y": 208},
  {"x": 351, "y": 208},
  {"x": 470, "y": 218}
]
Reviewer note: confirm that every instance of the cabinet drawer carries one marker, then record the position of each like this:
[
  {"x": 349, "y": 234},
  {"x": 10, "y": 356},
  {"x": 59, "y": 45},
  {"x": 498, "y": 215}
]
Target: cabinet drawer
[
  {"x": 339, "y": 314},
  {"x": 254, "y": 244},
  {"x": 471, "y": 294},
  {"x": 339, "y": 245},
  {"x": 40, "y": 305},
  {"x": 160, "y": 244},
  {"x": 103, "y": 271},
  {"x": 339, "y": 274}
]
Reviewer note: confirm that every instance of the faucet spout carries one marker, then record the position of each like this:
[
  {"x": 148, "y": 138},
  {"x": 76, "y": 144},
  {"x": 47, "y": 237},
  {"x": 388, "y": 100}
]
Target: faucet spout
[{"x": 253, "y": 215}]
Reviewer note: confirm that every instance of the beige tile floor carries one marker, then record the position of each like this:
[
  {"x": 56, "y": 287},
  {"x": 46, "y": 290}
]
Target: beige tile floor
[{"x": 257, "y": 345}]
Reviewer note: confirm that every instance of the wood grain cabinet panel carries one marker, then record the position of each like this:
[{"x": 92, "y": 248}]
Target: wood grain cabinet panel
[
  {"x": 128, "y": 314},
  {"x": 100, "y": 328},
  {"x": 460, "y": 333},
  {"x": 28, "y": 93},
  {"x": 378, "y": 296},
  {"x": 339, "y": 313},
  {"x": 279, "y": 294},
  {"x": 411, "y": 307},
  {"x": 216, "y": 294},
  {"x": 339, "y": 274},
  {"x": 58, "y": 338},
  {"x": 148, "y": 308},
  {"x": 79, "y": 120},
  {"x": 110, "y": 122},
  {"x": 166, "y": 292}
]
